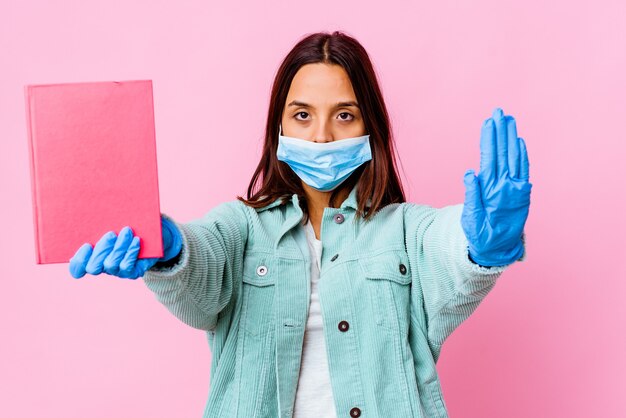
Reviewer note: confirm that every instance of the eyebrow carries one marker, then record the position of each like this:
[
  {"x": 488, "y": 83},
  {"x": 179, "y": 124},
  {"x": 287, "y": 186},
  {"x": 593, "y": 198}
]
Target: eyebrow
[{"x": 339, "y": 104}]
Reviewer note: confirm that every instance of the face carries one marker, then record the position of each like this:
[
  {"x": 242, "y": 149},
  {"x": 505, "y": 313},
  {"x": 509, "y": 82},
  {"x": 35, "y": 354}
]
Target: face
[{"x": 321, "y": 105}]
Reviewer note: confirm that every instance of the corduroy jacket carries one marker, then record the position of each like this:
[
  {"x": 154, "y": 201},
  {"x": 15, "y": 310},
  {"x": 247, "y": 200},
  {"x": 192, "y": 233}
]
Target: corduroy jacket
[{"x": 391, "y": 290}]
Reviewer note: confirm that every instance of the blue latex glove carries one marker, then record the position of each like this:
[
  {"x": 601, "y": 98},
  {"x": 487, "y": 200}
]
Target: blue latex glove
[
  {"x": 497, "y": 201},
  {"x": 117, "y": 254}
]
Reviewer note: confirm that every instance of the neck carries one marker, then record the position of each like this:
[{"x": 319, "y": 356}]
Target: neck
[{"x": 318, "y": 200}]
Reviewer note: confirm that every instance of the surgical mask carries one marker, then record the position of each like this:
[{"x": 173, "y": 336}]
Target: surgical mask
[{"x": 323, "y": 165}]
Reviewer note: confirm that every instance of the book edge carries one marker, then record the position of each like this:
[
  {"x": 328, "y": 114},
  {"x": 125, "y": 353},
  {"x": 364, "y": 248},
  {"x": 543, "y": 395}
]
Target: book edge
[{"x": 30, "y": 126}]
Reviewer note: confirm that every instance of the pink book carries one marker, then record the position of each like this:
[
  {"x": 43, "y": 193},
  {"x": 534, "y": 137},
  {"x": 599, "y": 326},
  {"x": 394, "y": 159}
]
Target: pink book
[{"x": 93, "y": 165}]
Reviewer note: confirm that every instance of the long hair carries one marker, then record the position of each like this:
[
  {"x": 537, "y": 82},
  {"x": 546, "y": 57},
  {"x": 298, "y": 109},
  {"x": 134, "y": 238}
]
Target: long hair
[{"x": 377, "y": 179}]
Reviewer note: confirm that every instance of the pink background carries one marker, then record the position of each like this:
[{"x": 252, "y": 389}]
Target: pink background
[{"x": 547, "y": 342}]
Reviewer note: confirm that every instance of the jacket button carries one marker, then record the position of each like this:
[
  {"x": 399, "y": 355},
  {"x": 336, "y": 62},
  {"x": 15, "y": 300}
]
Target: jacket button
[
  {"x": 339, "y": 218},
  {"x": 355, "y": 412},
  {"x": 402, "y": 269},
  {"x": 334, "y": 257},
  {"x": 343, "y": 327},
  {"x": 261, "y": 270}
]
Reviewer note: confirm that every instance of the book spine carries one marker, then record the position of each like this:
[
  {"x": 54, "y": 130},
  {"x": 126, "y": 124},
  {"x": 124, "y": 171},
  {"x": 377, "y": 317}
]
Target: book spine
[{"x": 156, "y": 169}]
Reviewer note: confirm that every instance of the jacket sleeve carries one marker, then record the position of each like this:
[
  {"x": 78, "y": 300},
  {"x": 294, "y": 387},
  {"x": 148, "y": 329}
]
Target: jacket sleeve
[
  {"x": 204, "y": 280},
  {"x": 447, "y": 285}
]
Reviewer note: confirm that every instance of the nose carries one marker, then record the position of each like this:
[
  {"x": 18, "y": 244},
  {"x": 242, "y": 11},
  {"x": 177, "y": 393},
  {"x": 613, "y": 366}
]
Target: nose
[{"x": 323, "y": 133}]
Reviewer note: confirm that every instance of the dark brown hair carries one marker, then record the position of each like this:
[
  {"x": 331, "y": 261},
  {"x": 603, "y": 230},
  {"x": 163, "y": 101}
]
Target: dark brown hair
[{"x": 377, "y": 179}]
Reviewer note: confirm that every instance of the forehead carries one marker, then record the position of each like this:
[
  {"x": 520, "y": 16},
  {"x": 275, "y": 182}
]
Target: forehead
[{"x": 320, "y": 83}]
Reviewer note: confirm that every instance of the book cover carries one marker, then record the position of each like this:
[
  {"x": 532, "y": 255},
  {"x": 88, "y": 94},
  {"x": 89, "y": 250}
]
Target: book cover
[{"x": 93, "y": 165}]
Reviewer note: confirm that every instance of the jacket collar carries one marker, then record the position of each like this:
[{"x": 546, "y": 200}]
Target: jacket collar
[{"x": 349, "y": 202}]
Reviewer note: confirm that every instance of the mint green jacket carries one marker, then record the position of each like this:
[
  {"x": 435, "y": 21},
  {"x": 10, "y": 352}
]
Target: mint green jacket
[{"x": 391, "y": 290}]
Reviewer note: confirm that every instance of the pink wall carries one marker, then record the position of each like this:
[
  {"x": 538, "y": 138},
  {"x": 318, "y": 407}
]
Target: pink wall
[{"x": 548, "y": 340}]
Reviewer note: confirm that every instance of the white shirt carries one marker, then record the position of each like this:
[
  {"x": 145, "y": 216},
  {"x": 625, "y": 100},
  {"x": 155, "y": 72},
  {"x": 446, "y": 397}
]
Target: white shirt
[{"x": 314, "y": 396}]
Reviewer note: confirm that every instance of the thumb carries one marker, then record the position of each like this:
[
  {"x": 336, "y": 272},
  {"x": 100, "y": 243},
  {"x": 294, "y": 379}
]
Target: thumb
[
  {"x": 473, "y": 215},
  {"x": 172, "y": 240},
  {"x": 473, "y": 198}
]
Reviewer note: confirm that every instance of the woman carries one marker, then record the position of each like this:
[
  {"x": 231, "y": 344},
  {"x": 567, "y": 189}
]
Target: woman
[{"x": 325, "y": 293}]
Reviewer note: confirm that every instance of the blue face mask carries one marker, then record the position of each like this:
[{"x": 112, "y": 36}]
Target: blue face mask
[{"x": 323, "y": 165}]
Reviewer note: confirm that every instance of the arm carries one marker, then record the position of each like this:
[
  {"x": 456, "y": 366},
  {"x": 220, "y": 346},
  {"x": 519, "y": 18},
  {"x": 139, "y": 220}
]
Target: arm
[
  {"x": 202, "y": 280},
  {"x": 489, "y": 226},
  {"x": 447, "y": 286}
]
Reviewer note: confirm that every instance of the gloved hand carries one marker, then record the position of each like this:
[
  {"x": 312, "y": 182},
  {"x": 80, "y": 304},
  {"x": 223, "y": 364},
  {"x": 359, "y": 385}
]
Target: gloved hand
[
  {"x": 497, "y": 201},
  {"x": 117, "y": 254}
]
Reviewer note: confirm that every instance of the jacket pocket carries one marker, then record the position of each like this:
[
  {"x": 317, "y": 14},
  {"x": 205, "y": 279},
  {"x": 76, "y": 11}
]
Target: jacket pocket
[
  {"x": 388, "y": 277},
  {"x": 259, "y": 277}
]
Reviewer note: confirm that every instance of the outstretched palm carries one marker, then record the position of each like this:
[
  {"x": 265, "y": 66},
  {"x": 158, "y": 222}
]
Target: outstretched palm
[{"x": 497, "y": 201}]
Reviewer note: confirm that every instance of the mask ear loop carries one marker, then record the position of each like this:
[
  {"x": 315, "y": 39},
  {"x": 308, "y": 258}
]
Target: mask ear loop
[{"x": 280, "y": 129}]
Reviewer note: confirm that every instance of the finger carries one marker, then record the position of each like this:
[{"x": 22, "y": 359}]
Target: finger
[
  {"x": 100, "y": 252},
  {"x": 524, "y": 165},
  {"x": 142, "y": 265},
  {"x": 513, "y": 153},
  {"x": 501, "y": 142},
  {"x": 488, "y": 150},
  {"x": 112, "y": 262},
  {"x": 127, "y": 265},
  {"x": 473, "y": 206},
  {"x": 79, "y": 261}
]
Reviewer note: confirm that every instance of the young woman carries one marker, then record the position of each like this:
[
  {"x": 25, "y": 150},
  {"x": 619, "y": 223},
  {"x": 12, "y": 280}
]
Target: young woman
[{"x": 325, "y": 293}]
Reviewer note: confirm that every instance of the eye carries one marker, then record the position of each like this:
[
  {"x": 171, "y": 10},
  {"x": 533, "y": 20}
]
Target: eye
[
  {"x": 346, "y": 113},
  {"x": 299, "y": 113}
]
